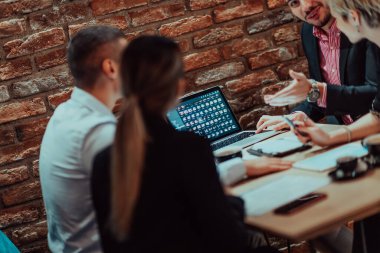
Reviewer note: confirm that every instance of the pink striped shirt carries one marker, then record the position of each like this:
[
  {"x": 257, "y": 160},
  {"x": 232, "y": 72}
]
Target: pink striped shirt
[{"x": 329, "y": 44}]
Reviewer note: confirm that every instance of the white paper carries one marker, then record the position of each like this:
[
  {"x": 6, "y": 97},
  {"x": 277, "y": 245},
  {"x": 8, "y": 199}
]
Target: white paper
[
  {"x": 279, "y": 192},
  {"x": 327, "y": 160}
]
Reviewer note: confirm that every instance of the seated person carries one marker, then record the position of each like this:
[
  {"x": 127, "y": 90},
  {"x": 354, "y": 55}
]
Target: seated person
[
  {"x": 344, "y": 76},
  {"x": 358, "y": 20},
  {"x": 155, "y": 189}
]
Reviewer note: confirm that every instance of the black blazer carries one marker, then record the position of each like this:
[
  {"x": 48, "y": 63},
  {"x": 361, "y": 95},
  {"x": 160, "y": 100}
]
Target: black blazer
[
  {"x": 359, "y": 74},
  {"x": 182, "y": 206}
]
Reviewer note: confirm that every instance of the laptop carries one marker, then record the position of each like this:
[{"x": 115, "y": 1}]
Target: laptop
[{"x": 208, "y": 114}]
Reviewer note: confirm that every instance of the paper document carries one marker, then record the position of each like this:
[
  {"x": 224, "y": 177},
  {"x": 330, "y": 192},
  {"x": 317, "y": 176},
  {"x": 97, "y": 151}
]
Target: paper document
[
  {"x": 327, "y": 160},
  {"x": 279, "y": 192}
]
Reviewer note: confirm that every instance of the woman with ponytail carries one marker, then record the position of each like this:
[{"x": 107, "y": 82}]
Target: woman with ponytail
[{"x": 157, "y": 190}]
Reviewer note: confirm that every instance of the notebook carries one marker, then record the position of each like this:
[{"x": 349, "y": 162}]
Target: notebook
[
  {"x": 208, "y": 114},
  {"x": 327, "y": 160}
]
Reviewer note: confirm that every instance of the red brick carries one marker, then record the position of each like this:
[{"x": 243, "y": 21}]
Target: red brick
[
  {"x": 101, "y": 7},
  {"x": 4, "y": 94},
  {"x": 14, "y": 175},
  {"x": 185, "y": 25},
  {"x": 35, "y": 43},
  {"x": 22, "y": 109},
  {"x": 249, "y": 120},
  {"x": 220, "y": 73},
  {"x": 15, "y": 68},
  {"x": 272, "y": 89},
  {"x": 17, "y": 152},
  {"x": 19, "y": 215},
  {"x": 299, "y": 66},
  {"x": 244, "y": 46},
  {"x": 275, "y": 3},
  {"x": 267, "y": 21},
  {"x": 285, "y": 34},
  {"x": 202, "y": 4},
  {"x": 116, "y": 21},
  {"x": 243, "y": 103},
  {"x": 132, "y": 36},
  {"x": 10, "y": 8},
  {"x": 217, "y": 35},
  {"x": 51, "y": 59},
  {"x": 36, "y": 168},
  {"x": 30, "y": 233},
  {"x": 202, "y": 59},
  {"x": 248, "y": 7},
  {"x": 184, "y": 45},
  {"x": 155, "y": 14},
  {"x": 51, "y": 18},
  {"x": 251, "y": 81},
  {"x": 74, "y": 12},
  {"x": 36, "y": 247},
  {"x": 58, "y": 98},
  {"x": 33, "y": 86},
  {"x": 273, "y": 56},
  {"x": 21, "y": 194},
  {"x": 31, "y": 129},
  {"x": 7, "y": 136},
  {"x": 12, "y": 27}
]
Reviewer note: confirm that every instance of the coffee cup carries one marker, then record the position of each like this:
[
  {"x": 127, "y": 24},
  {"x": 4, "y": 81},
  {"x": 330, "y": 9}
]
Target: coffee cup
[
  {"x": 347, "y": 164},
  {"x": 372, "y": 144},
  {"x": 225, "y": 154}
]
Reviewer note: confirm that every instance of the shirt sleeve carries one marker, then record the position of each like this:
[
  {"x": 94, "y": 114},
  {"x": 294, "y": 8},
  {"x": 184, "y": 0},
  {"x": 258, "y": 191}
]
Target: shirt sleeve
[
  {"x": 231, "y": 171},
  {"x": 322, "y": 101},
  {"x": 98, "y": 139}
]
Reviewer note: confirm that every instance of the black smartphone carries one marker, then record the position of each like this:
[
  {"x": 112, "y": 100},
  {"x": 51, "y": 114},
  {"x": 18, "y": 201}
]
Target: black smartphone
[
  {"x": 300, "y": 203},
  {"x": 294, "y": 127}
]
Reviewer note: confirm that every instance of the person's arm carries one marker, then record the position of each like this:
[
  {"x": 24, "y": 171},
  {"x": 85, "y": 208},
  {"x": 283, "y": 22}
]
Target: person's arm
[
  {"x": 98, "y": 139},
  {"x": 367, "y": 125},
  {"x": 220, "y": 230},
  {"x": 234, "y": 170},
  {"x": 356, "y": 99}
]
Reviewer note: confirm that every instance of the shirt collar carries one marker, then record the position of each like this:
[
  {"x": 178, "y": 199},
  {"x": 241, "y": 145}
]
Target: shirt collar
[
  {"x": 87, "y": 100},
  {"x": 320, "y": 34}
]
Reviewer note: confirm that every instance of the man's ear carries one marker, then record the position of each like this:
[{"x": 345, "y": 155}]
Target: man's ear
[{"x": 109, "y": 68}]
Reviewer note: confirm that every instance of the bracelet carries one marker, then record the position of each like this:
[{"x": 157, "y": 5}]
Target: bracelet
[{"x": 349, "y": 133}]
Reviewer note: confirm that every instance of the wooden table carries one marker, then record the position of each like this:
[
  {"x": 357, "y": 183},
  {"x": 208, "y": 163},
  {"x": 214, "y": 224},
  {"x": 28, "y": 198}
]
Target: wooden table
[{"x": 346, "y": 201}]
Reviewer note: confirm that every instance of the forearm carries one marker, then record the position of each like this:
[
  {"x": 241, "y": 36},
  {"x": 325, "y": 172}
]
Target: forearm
[{"x": 367, "y": 125}]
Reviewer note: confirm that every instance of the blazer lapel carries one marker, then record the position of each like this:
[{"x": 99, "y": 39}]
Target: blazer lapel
[
  {"x": 345, "y": 47},
  {"x": 315, "y": 61}
]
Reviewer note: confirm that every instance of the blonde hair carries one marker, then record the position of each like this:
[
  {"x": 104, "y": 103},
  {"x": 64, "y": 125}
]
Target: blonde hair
[
  {"x": 369, "y": 9},
  {"x": 151, "y": 68}
]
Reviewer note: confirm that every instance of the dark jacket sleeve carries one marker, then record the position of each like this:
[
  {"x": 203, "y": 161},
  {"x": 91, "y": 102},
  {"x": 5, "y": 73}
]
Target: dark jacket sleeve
[
  {"x": 356, "y": 98},
  {"x": 219, "y": 227}
]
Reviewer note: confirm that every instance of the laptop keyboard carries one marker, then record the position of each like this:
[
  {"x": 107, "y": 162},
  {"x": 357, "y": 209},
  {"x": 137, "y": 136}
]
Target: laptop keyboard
[{"x": 232, "y": 139}]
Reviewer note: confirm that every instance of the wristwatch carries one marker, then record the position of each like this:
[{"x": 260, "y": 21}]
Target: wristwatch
[{"x": 314, "y": 93}]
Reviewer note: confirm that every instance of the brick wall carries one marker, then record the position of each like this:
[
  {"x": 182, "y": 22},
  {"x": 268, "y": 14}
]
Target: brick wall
[{"x": 244, "y": 46}]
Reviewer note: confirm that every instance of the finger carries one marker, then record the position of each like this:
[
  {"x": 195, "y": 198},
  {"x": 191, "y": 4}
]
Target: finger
[
  {"x": 284, "y": 91},
  {"x": 262, "y": 120},
  {"x": 280, "y": 126},
  {"x": 296, "y": 75},
  {"x": 268, "y": 98}
]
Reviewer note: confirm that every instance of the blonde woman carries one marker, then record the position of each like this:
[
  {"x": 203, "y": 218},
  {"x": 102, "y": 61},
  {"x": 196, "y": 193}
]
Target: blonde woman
[{"x": 358, "y": 19}]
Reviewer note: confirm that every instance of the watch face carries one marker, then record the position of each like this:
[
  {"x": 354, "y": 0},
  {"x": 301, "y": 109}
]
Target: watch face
[{"x": 313, "y": 96}]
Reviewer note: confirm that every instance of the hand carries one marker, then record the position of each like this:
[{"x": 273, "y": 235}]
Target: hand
[
  {"x": 262, "y": 166},
  {"x": 277, "y": 122},
  {"x": 312, "y": 133},
  {"x": 294, "y": 93}
]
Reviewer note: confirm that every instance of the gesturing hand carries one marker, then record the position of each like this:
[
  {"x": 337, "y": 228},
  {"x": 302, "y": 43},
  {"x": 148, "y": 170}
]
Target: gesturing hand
[{"x": 296, "y": 92}]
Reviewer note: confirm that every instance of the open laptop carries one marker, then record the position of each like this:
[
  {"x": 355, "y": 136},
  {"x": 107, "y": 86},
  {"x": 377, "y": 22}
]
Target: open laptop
[{"x": 208, "y": 114}]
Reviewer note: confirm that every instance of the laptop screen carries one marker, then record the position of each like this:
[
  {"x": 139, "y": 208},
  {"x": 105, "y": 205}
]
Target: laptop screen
[{"x": 206, "y": 113}]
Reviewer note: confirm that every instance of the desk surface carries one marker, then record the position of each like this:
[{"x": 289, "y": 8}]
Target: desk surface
[{"x": 350, "y": 200}]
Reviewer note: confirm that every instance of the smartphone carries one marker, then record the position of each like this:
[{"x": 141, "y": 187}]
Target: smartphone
[
  {"x": 294, "y": 127},
  {"x": 300, "y": 203}
]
